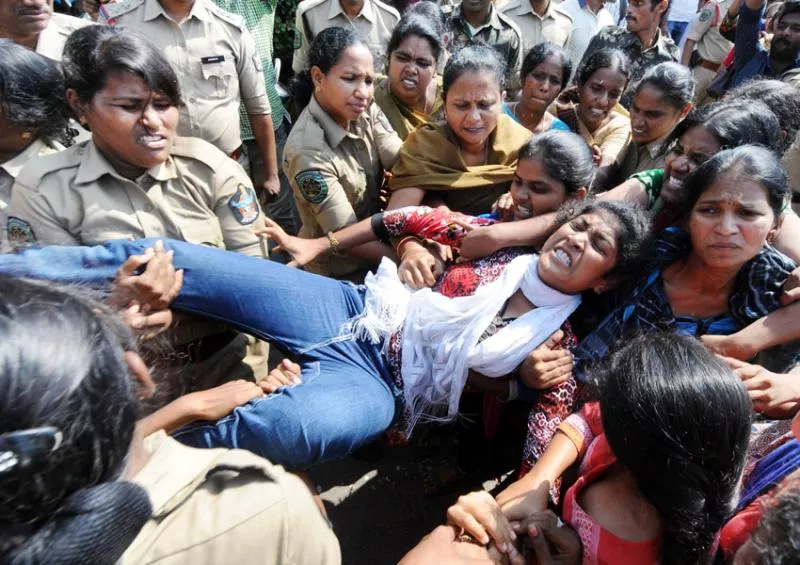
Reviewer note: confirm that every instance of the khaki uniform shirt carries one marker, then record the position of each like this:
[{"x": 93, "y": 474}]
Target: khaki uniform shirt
[
  {"x": 9, "y": 171},
  {"x": 216, "y": 62},
  {"x": 374, "y": 25},
  {"x": 555, "y": 26},
  {"x": 704, "y": 31},
  {"x": 214, "y": 506},
  {"x": 198, "y": 195},
  {"x": 336, "y": 175},
  {"x": 499, "y": 33},
  {"x": 54, "y": 36},
  {"x": 641, "y": 157}
]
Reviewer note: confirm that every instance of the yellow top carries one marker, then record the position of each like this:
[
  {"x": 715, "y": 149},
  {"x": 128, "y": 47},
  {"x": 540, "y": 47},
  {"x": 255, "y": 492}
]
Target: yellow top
[
  {"x": 431, "y": 159},
  {"x": 404, "y": 120}
]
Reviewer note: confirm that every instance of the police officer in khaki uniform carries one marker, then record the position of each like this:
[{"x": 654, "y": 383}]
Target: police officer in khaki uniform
[
  {"x": 372, "y": 20},
  {"x": 216, "y": 505},
  {"x": 76, "y": 197},
  {"x": 135, "y": 179},
  {"x": 479, "y": 22},
  {"x": 218, "y": 67},
  {"x": 336, "y": 176},
  {"x": 711, "y": 47},
  {"x": 33, "y": 24},
  {"x": 539, "y": 21}
]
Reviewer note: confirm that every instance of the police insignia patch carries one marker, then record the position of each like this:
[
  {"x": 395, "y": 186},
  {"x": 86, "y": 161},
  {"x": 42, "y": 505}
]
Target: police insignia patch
[
  {"x": 705, "y": 15},
  {"x": 243, "y": 205},
  {"x": 20, "y": 232},
  {"x": 312, "y": 186}
]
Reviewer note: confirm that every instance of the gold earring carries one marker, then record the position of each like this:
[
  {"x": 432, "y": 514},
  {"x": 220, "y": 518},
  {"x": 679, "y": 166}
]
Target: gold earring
[
  {"x": 26, "y": 135},
  {"x": 317, "y": 89},
  {"x": 82, "y": 120}
]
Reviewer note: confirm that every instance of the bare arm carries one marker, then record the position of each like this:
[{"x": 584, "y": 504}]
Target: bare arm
[
  {"x": 632, "y": 190},
  {"x": 261, "y": 124},
  {"x": 529, "y": 494},
  {"x": 406, "y": 197},
  {"x": 688, "y": 48},
  {"x": 207, "y": 405},
  {"x": 787, "y": 238}
]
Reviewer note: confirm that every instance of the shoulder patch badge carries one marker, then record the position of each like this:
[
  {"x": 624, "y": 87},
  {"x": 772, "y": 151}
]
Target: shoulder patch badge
[
  {"x": 705, "y": 14},
  {"x": 243, "y": 205},
  {"x": 312, "y": 186},
  {"x": 20, "y": 232}
]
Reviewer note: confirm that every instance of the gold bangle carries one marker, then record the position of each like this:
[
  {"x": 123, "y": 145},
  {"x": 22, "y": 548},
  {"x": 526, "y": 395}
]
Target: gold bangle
[{"x": 333, "y": 242}]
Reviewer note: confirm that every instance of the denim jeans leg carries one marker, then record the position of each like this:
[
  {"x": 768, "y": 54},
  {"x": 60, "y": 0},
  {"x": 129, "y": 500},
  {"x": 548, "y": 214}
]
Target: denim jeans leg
[
  {"x": 266, "y": 299},
  {"x": 339, "y": 406}
]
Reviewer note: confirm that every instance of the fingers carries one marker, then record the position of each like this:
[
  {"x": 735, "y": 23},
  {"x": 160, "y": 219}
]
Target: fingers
[
  {"x": 287, "y": 373},
  {"x": 732, "y": 363},
  {"x": 464, "y": 224},
  {"x": 134, "y": 263},
  {"x": 291, "y": 367},
  {"x": 176, "y": 285},
  {"x": 479, "y": 514},
  {"x": 790, "y": 296},
  {"x": 540, "y": 547},
  {"x": 554, "y": 339}
]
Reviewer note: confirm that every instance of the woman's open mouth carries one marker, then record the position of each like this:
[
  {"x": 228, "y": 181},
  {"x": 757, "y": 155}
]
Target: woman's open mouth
[{"x": 153, "y": 142}]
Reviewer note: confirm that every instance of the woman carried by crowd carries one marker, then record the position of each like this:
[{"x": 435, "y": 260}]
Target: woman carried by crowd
[{"x": 350, "y": 383}]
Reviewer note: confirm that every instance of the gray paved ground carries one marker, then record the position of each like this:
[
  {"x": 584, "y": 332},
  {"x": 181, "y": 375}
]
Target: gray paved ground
[{"x": 380, "y": 510}]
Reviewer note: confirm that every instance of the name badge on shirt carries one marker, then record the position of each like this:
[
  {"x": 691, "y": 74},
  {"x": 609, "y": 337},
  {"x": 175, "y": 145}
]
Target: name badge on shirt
[{"x": 212, "y": 59}]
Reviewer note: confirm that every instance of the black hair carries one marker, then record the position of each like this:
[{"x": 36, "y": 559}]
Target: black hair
[
  {"x": 565, "y": 155},
  {"x": 474, "y": 58},
  {"x": 429, "y": 10},
  {"x": 607, "y": 58},
  {"x": 634, "y": 237},
  {"x": 679, "y": 420},
  {"x": 788, "y": 7},
  {"x": 324, "y": 52},
  {"x": 732, "y": 123},
  {"x": 756, "y": 163},
  {"x": 674, "y": 81},
  {"x": 775, "y": 539},
  {"x": 32, "y": 93},
  {"x": 539, "y": 53},
  {"x": 782, "y": 98},
  {"x": 93, "y": 53},
  {"x": 66, "y": 505},
  {"x": 416, "y": 25}
]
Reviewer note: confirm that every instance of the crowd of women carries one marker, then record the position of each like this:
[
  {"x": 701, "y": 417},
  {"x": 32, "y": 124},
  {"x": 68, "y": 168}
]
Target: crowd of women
[{"x": 627, "y": 277}]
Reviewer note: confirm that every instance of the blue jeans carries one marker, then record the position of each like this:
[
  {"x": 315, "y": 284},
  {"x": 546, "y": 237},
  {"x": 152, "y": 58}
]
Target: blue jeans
[{"x": 345, "y": 399}]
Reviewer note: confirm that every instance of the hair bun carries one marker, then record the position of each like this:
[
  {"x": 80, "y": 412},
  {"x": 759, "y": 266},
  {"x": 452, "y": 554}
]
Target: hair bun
[{"x": 94, "y": 527}]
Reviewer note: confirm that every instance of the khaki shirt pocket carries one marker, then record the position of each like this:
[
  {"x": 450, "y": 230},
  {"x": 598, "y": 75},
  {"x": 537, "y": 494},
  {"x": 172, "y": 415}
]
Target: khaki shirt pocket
[{"x": 218, "y": 80}]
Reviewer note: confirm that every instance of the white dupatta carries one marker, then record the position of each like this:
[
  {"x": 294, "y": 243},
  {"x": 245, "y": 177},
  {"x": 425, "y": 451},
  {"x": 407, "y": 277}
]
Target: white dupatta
[{"x": 440, "y": 334}]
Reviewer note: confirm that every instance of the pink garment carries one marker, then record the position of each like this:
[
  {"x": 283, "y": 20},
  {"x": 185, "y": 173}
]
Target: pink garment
[{"x": 600, "y": 546}]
